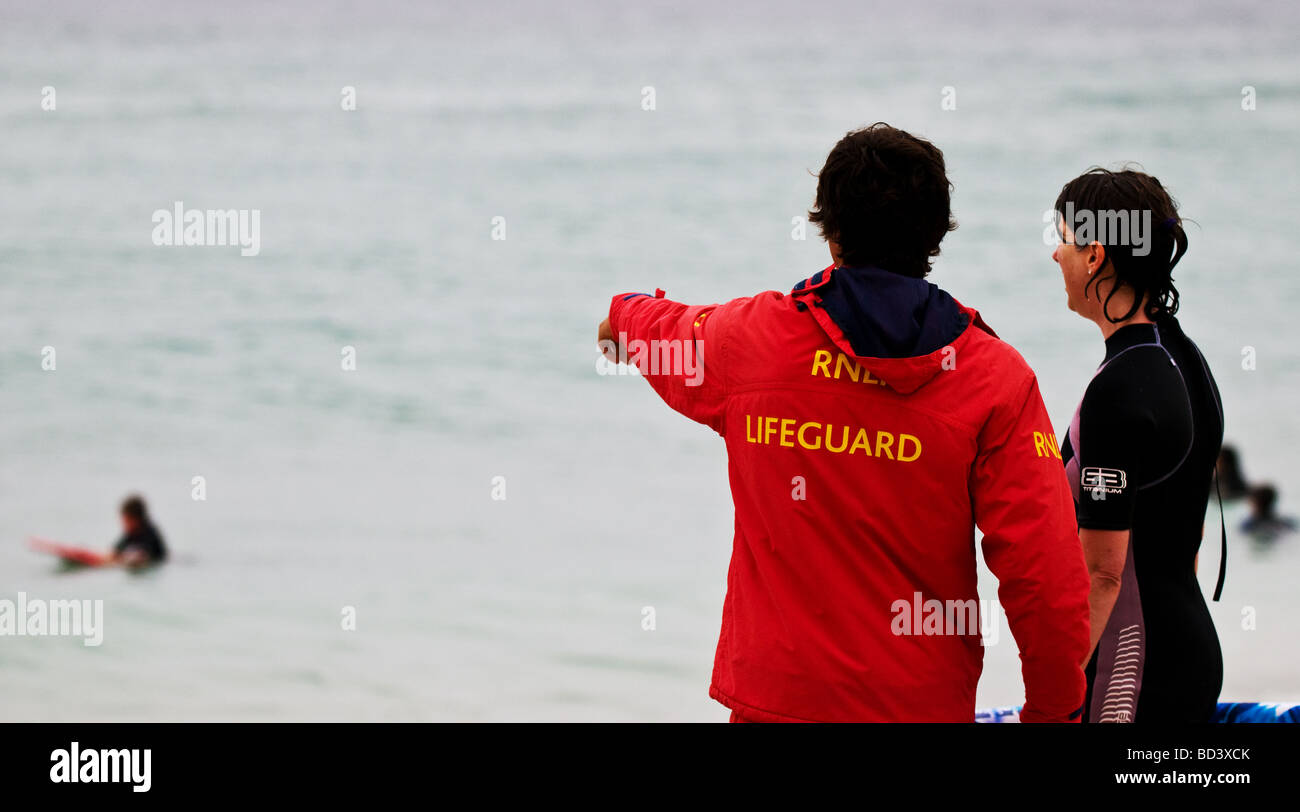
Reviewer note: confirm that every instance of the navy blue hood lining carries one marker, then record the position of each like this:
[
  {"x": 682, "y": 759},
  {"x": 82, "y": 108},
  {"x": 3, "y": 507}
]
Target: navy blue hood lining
[{"x": 886, "y": 315}]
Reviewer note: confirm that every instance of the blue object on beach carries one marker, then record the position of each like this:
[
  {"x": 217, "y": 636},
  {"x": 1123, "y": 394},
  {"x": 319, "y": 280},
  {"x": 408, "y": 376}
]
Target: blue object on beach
[
  {"x": 1256, "y": 713},
  {"x": 1227, "y": 713}
]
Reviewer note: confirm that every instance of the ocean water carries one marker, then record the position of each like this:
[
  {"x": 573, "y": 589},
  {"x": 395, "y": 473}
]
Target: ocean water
[{"x": 475, "y": 359}]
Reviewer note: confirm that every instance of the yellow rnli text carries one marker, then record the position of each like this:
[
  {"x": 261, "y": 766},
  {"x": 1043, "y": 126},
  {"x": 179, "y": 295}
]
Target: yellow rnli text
[
  {"x": 1045, "y": 445},
  {"x": 843, "y": 366}
]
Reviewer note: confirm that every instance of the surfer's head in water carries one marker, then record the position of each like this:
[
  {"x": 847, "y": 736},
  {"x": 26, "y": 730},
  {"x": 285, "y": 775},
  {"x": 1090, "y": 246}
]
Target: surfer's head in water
[
  {"x": 883, "y": 200},
  {"x": 1263, "y": 502},
  {"x": 135, "y": 514},
  {"x": 1120, "y": 238},
  {"x": 141, "y": 543}
]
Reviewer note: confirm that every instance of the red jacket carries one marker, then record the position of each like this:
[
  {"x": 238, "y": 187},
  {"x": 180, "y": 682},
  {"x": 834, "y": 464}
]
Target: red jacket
[{"x": 858, "y": 480}]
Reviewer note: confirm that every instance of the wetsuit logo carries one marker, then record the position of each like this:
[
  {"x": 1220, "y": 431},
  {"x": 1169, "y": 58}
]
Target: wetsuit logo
[{"x": 1103, "y": 480}]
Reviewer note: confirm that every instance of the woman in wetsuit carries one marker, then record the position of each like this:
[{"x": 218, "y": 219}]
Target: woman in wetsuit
[{"x": 1140, "y": 455}]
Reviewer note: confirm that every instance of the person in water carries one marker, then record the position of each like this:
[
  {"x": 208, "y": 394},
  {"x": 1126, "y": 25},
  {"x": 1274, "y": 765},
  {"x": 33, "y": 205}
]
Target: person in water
[
  {"x": 871, "y": 422},
  {"x": 1232, "y": 483},
  {"x": 1263, "y": 524},
  {"x": 141, "y": 543},
  {"x": 1140, "y": 455}
]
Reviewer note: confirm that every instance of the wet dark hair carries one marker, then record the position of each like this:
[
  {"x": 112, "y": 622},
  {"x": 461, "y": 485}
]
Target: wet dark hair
[
  {"x": 134, "y": 507},
  {"x": 884, "y": 197},
  {"x": 1150, "y": 276}
]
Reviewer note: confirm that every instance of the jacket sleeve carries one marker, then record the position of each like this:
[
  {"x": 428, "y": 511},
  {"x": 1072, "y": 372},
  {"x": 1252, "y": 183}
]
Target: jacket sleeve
[
  {"x": 1031, "y": 543},
  {"x": 678, "y": 349}
]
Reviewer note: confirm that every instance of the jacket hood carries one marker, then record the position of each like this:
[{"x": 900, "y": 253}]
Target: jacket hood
[{"x": 898, "y": 327}]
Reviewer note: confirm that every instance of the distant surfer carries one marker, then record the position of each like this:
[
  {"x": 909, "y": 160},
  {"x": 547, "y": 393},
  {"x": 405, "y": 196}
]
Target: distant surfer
[
  {"x": 1263, "y": 523},
  {"x": 1232, "y": 483},
  {"x": 141, "y": 543}
]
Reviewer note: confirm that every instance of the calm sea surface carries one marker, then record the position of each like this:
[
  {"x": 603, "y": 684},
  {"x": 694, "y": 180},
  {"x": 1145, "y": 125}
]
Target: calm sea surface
[{"x": 372, "y": 488}]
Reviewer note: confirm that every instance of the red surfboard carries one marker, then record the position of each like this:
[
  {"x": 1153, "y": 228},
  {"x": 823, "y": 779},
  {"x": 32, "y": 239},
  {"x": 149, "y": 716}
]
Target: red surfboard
[{"x": 79, "y": 556}]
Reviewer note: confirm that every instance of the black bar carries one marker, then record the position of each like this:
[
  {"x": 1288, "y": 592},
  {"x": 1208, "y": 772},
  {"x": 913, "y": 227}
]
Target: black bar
[{"x": 615, "y": 764}]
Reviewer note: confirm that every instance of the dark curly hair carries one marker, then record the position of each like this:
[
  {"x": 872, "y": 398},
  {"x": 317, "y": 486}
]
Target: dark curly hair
[
  {"x": 1149, "y": 273},
  {"x": 884, "y": 198}
]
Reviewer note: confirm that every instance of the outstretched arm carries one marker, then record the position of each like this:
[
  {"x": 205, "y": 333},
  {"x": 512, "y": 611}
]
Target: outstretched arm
[{"x": 677, "y": 348}]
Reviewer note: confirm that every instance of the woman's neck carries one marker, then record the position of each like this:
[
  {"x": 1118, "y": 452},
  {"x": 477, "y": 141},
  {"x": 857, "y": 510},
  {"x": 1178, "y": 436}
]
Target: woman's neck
[
  {"x": 1120, "y": 301},
  {"x": 1109, "y": 328}
]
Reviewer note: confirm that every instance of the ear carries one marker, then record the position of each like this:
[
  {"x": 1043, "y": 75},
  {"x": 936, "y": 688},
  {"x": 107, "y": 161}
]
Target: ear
[{"x": 1096, "y": 256}]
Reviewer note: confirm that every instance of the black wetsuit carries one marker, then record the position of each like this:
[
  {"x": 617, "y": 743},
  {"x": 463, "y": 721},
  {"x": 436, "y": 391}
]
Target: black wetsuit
[
  {"x": 1140, "y": 456},
  {"x": 146, "y": 539}
]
